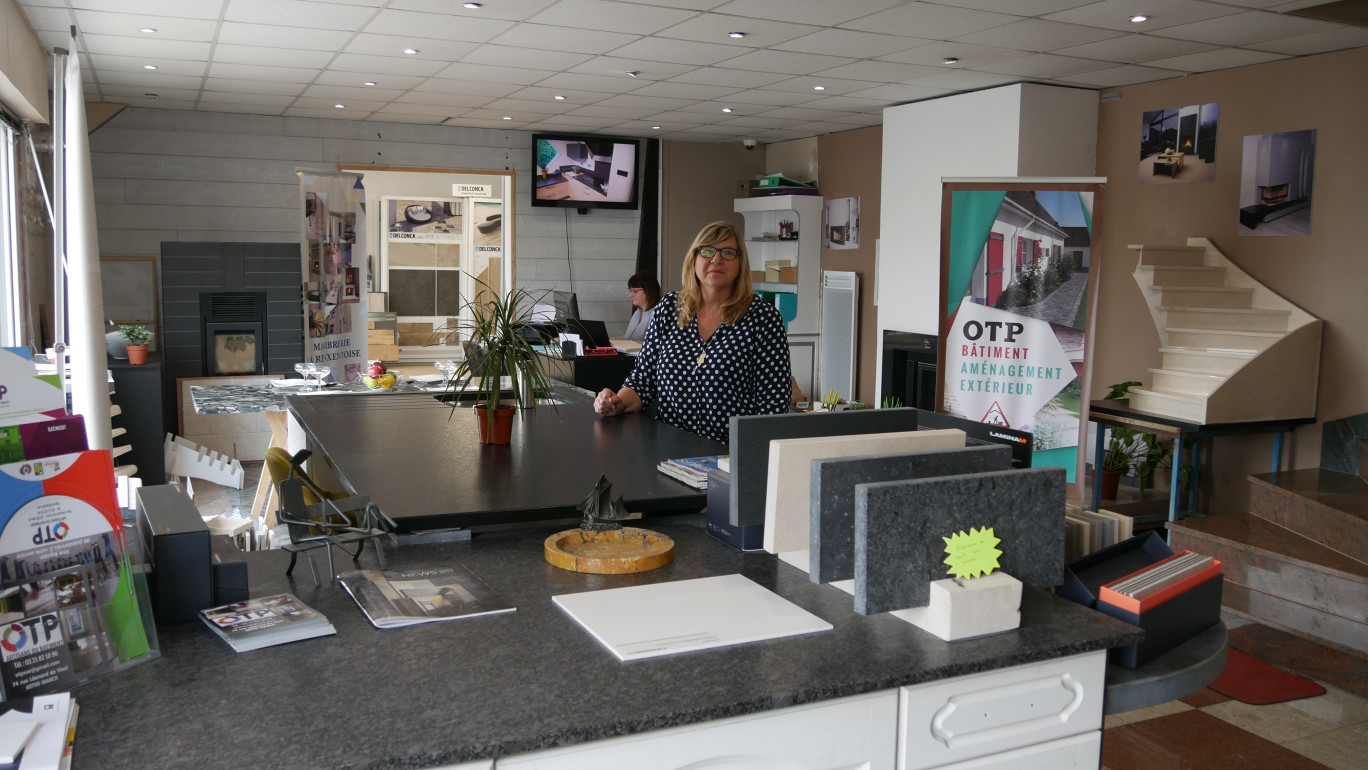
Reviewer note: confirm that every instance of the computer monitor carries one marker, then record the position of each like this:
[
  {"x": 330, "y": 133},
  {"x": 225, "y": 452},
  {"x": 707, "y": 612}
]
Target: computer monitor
[
  {"x": 594, "y": 333},
  {"x": 567, "y": 307}
]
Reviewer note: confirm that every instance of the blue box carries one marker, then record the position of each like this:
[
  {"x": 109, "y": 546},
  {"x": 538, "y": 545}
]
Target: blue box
[{"x": 742, "y": 537}]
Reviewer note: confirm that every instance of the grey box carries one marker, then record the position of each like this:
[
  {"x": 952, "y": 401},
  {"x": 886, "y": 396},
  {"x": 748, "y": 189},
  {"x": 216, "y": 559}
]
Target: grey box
[
  {"x": 176, "y": 541},
  {"x": 228, "y": 571}
]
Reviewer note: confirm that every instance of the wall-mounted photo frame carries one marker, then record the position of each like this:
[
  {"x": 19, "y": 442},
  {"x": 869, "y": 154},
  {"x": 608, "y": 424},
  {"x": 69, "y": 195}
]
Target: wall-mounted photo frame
[{"x": 129, "y": 286}]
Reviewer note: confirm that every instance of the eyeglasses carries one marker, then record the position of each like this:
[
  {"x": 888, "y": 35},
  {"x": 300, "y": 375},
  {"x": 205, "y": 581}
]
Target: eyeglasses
[{"x": 708, "y": 252}]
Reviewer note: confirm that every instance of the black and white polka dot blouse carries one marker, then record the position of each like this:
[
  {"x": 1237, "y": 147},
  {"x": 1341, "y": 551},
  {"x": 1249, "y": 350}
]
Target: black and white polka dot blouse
[{"x": 743, "y": 369}]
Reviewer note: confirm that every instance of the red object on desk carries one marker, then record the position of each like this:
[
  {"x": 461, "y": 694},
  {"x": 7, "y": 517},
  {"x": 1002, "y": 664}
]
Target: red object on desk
[{"x": 600, "y": 351}]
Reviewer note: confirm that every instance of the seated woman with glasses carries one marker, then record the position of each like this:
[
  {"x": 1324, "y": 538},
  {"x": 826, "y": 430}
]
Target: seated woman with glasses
[
  {"x": 645, "y": 294},
  {"x": 712, "y": 351}
]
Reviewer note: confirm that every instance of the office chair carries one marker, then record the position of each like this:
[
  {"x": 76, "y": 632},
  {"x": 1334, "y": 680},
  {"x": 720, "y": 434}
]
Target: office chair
[{"x": 333, "y": 520}]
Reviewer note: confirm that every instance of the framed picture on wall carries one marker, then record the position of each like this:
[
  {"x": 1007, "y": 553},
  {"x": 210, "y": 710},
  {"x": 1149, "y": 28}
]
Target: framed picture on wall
[{"x": 129, "y": 286}]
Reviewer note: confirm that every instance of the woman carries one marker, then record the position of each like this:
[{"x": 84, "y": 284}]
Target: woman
[
  {"x": 711, "y": 351},
  {"x": 645, "y": 294}
]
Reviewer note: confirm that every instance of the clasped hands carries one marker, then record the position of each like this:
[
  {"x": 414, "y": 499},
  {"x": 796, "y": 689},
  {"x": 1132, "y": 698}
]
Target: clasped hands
[{"x": 608, "y": 404}]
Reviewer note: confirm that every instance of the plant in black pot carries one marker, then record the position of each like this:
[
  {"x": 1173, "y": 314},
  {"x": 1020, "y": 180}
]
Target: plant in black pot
[
  {"x": 1129, "y": 450},
  {"x": 498, "y": 342}
]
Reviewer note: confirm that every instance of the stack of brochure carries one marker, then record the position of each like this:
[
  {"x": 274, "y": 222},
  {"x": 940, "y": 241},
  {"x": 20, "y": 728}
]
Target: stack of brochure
[
  {"x": 690, "y": 470},
  {"x": 403, "y": 598},
  {"x": 38, "y": 732},
  {"x": 267, "y": 621},
  {"x": 1160, "y": 581}
]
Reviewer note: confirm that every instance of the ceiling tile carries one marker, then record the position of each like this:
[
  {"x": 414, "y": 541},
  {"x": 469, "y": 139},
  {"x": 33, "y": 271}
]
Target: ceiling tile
[
  {"x": 268, "y": 100},
  {"x": 253, "y": 87},
  {"x": 149, "y": 81},
  {"x": 1044, "y": 65},
  {"x": 273, "y": 57},
  {"x": 1123, "y": 76},
  {"x": 717, "y": 76},
  {"x": 512, "y": 10},
  {"x": 465, "y": 87},
  {"x": 252, "y": 109},
  {"x": 637, "y": 101},
  {"x": 562, "y": 39},
  {"x": 288, "y": 13},
  {"x": 327, "y": 104},
  {"x": 627, "y": 17},
  {"x": 616, "y": 66},
  {"x": 532, "y": 58},
  {"x": 532, "y": 106},
  {"x": 830, "y": 86},
  {"x": 614, "y": 113},
  {"x": 394, "y": 114},
  {"x": 692, "y": 5},
  {"x": 441, "y": 26},
  {"x": 879, "y": 71},
  {"x": 608, "y": 84},
  {"x": 354, "y": 93},
  {"x": 901, "y": 92},
  {"x": 1320, "y": 42},
  {"x": 801, "y": 113},
  {"x": 1037, "y": 35},
  {"x": 237, "y": 33},
  {"x": 714, "y": 28},
  {"x": 105, "y": 63},
  {"x": 760, "y": 121},
  {"x": 337, "y": 78},
  {"x": 929, "y": 20},
  {"x": 760, "y": 96},
  {"x": 168, "y": 27},
  {"x": 1219, "y": 59},
  {"x": 176, "y": 8},
  {"x": 1245, "y": 27},
  {"x": 254, "y": 72},
  {"x": 849, "y": 42},
  {"x": 571, "y": 95},
  {"x": 440, "y": 102},
  {"x": 146, "y": 47},
  {"x": 386, "y": 65},
  {"x": 134, "y": 92},
  {"x": 1019, "y": 7},
  {"x": 964, "y": 80},
  {"x": 848, "y": 103},
  {"x": 784, "y": 62},
  {"x": 303, "y": 112},
  {"x": 1134, "y": 49},
  {"x": 676, "y": 51},
  {"x": 822, "y": 12},
  {"x": 428, "y": 49},
  {"x": 1116, "y": 14},
  {"x": 934, "y": 54},
  {"x": 684, "y": 91},
  {"x": 425, "y": 108}
]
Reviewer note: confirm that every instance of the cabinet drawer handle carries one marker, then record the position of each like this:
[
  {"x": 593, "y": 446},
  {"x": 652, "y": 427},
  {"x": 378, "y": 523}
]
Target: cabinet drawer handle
[{"x": 983, "y": 698}]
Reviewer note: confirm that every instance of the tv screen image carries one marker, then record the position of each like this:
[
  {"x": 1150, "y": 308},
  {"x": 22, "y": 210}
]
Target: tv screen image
[{"x": 584, "y": 171}]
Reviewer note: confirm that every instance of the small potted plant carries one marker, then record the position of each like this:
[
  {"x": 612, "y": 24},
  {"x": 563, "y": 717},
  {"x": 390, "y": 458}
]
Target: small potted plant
[
  {"x": 497, "y": 341},
  {"x": 138, "y": 336}
]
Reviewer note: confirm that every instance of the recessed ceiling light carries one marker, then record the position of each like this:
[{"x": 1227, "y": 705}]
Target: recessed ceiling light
[
  {"x": 340, "y": 106},
  {"x": 507, "y": 117},
  {"x": 819, "y": 88},
  {"x": 559, "y": 98},
  {"x": 655, "y": 128},
  {"x": 633, "y": 73},
  {"x": 726, "y": 109},
  {"x": 368, "y": 83},
  {"x": 1139, "y": 17},
  {"x": 410, "y": 51},
  {"x": 950, "y": 60},
  {"x": 736, "y": 35},
  {"x": 149, "y": 66},
  {"x": 150, "y": 96},
  {"x": 148, "y": 30},
  {"x": 472, "y": 6}
]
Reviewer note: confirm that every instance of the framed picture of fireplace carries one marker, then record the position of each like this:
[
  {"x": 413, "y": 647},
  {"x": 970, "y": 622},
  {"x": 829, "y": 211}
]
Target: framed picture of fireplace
[
  {"x": 1275, "y": 183},
  {"x": 129, "y": 286},
  {"x": 1178, "y": 144}
]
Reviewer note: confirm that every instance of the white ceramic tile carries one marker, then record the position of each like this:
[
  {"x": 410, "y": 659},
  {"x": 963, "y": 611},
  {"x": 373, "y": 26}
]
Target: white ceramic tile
[{"x": 1278, "y": 722}]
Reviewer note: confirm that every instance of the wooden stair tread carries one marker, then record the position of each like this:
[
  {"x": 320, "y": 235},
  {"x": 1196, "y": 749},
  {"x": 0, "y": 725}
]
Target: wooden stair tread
[
  {"x": 1225, "y": 331},
  {"x": 1209, "y": 352},
  {"x": 1192, "y": 374},
  {"x": 1248, "y": 533},
  {"x": 1344, "y": 492},
  {"x": 1195, "y": 400}
]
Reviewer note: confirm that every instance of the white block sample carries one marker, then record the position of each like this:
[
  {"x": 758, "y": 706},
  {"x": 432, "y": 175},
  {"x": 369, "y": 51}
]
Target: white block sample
[
  {"x": 788, "y": 487},
  {"x": 965, "y": 608}
]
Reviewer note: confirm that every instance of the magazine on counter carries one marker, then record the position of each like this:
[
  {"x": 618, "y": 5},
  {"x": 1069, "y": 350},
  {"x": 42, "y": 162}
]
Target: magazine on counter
[
  {"x": 267, "y": 621},
  {"x": 690, "y": 470},
  {"x": 403, "y": 598}
]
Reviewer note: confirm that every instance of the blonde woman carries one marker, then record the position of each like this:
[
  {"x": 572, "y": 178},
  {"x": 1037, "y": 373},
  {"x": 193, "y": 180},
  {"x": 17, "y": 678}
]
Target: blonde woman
[{"x": 712, "y": 351}]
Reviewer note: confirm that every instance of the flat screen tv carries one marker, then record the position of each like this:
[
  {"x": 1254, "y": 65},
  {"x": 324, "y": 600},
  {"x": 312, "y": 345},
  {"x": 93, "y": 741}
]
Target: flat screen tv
[{"x": 584, "y": 171}]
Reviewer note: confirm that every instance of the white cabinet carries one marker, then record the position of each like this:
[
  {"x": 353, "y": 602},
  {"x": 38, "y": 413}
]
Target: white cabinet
[
  {"x": 855, "y": 732},
  {"x": 804, "y": 215}
]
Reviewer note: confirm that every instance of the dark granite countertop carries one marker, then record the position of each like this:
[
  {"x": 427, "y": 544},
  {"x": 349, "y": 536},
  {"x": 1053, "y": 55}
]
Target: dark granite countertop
[{"x": 502, "y": 684}]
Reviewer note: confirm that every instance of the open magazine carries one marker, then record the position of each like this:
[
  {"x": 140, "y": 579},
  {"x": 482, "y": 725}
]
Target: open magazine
[{"x": 403, "y": 598}]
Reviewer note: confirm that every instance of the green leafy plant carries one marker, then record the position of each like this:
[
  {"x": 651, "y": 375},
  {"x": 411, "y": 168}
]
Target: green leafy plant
[
  {"x": 831, "y": 399},
  {"x": 891, "y": 402},
  {"x": 497, "y": 341},
  {"x": 1120, "y": 389},
  {"x": 136, "y": 334},
  {"x": 856, "y": 405},
  {"x": 1129, "y": 450}
]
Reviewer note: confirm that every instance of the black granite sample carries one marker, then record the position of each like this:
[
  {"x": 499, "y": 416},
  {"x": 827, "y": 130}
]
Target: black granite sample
[
  {"x": 899, "y": 526},
  {"x": 1340, "y": 448},
  {"x": 751, "y": 436},
  {"x": 833, "y": 495}
]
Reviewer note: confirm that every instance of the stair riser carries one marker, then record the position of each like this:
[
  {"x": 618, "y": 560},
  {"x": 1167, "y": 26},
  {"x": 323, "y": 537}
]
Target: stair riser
[
  {"x": 1240, "y": 322},
  {"x": 1338, "y": 594},
  {"x": 1294, "y": 617},
  {"x": 1187, "y": 386},
  {"x": 1148, "y": 402},
  {"x": 1328, "y": 526},
  {"x": 1158, "y": 255},
  {"x": 1197, "y": 362},
  {"x": 1216, "y": 339},
  {"x": 1164, "y": 277},
  {"x": 1230, "y": 299}
]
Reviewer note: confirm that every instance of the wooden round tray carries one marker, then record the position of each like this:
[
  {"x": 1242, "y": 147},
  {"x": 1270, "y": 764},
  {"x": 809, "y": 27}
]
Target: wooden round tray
[{"x": 610, "y": 552}]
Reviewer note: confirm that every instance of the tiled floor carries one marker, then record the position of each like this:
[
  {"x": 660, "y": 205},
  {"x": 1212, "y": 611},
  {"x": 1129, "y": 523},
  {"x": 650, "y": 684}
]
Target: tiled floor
[{"x": 1210, "y": 731}]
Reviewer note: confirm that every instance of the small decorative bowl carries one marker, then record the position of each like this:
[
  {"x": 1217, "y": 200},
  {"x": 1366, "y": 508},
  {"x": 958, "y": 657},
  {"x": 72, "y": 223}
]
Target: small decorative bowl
[{"x": 386, "y": 380}]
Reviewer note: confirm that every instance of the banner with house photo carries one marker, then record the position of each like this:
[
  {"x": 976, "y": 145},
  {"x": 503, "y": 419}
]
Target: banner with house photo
[
  {"x": 1016, "y": 289},
  {"x": 336, "y": 272}
]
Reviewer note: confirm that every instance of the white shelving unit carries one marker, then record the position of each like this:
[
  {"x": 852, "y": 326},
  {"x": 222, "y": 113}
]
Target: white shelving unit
[{"x": 763, "y": 215}]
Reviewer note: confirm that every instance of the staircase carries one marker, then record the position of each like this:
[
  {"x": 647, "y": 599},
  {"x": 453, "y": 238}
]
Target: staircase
[
  {"x": 1299, "y": 559},
  {"x": 1232, "y": 349}
]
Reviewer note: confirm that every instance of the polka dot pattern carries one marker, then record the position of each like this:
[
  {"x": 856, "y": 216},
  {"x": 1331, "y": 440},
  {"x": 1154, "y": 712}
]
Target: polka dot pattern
[{"x": 745, "y": 369}]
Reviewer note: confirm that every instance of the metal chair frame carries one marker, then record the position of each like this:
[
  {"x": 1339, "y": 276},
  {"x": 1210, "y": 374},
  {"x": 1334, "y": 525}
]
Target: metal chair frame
[{"x": 329, "y": 520}]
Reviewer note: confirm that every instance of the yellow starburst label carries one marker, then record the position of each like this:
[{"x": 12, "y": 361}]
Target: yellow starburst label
[{"x": 973, "y": 553}]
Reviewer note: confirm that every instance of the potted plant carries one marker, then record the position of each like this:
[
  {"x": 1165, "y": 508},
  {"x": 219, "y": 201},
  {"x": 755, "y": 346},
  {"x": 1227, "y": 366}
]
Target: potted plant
[
  {"x": 138, "y": 336},
  {"x": 497, "y": 341},
  {"x": 1129, "y": 449}
]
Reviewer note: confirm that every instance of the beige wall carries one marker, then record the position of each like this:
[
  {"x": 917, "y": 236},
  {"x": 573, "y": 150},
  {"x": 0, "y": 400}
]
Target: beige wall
[
  {"x": 850, "y": 167},
  {"x": 797, "y": 159},
  {"x": 1325, "y": 273},
  {"x": 698, "y": 184},
  {"x": 24, "y": 65}
]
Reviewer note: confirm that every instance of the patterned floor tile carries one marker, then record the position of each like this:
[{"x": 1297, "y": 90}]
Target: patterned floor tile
[
  {"x": 1339, "y": 707},
  {"x": 1342, "y": 749},
  {"x": 1307, "y": 658},
  {"x": 1195, "y": 740},
  {"x": 1278, "y": 722}
]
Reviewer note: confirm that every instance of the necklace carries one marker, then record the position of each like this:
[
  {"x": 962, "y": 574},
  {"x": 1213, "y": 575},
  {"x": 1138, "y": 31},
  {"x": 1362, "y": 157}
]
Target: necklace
[{"x": 703, "y": 354}]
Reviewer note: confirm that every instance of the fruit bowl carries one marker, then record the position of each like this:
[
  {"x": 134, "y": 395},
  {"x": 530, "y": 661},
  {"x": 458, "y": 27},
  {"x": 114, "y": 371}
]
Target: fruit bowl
[{"x": 386, "y": 380}]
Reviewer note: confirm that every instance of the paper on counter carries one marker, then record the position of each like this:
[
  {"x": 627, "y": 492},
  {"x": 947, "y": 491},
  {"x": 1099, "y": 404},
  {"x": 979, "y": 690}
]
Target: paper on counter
[{"x": 666, "y": 618}]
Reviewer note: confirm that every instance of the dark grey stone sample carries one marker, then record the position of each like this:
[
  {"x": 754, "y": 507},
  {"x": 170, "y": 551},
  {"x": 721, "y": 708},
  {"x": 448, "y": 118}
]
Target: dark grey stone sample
[
  {"x": 751, "y": 436},
  {"x": 899, "y": 526},
  {"x": 833, "y": 495}
]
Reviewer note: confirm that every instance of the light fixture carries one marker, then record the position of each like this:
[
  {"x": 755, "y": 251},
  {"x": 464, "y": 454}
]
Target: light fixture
[
  {"x": 950, "y": 60},
  {"x": 149, "y": 66},
  {"x": 150, "y": 96},
  {"x": 736, "y": 35},
  {"x": 340, "y": 106},
  {"x": 410, "y": 51},
  {"x": 368, "y": 83},
  {"x": 726, "y": 109},
  {"x": 559, "y": 98},
  {"x": 1139, "y": 17},
  {"x": 819, "y": 88},
  {"x": 655, "y": 128},
  {"x": 633, "y": 73},
  {"x": 507, "y": 117},
  {"x": 472, "y": 6},
  {"x": 148, "y": 30}
]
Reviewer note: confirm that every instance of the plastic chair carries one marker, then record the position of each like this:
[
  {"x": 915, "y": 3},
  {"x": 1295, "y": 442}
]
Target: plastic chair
[{"x": 331, "y": 521}]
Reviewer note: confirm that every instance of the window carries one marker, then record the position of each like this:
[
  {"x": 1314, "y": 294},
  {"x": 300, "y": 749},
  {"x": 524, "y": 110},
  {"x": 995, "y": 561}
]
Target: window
[{"x": 11, "y": 294}]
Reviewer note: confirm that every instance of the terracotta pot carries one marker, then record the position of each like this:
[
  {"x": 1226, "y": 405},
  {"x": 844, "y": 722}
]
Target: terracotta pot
[
  {"x": 137, "y": 354},
  {"x": 1110, "y": 481},
  {"x": 500, "y": 431}
]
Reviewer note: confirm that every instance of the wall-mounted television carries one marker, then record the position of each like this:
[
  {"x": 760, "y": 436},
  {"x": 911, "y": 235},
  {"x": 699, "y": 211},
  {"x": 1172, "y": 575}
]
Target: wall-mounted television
[{"x": 585, "y": 171}]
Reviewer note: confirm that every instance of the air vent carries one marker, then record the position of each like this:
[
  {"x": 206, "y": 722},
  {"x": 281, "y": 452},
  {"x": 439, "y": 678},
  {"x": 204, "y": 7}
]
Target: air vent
[{"x": 226, "y": 305}]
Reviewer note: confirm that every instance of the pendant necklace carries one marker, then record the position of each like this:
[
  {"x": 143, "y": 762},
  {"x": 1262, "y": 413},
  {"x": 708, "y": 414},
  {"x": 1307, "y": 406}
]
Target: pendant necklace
[{"x": 703, "y": 354}]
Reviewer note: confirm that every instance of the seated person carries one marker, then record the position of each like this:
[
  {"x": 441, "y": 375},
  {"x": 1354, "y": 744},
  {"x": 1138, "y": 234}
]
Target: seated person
[
  {"x": 645, "y": 294},
  {"x": 711, "y": 351}
]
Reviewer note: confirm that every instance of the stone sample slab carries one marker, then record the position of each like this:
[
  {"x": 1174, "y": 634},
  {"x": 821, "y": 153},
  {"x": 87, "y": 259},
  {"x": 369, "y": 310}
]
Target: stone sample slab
[
  {"x": 899, "y": 526},
  {"x": 750, "y": 441},
  {"x": 963, "y": 609},
  {"x": 788, "y": 484},
  {"x": 832, "y": 524}
]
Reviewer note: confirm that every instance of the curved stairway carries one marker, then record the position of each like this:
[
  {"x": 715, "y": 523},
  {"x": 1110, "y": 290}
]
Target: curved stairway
[{"x": 1233, "y": 350}]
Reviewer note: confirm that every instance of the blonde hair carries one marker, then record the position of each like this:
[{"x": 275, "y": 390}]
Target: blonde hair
[{"x": 691, "y": 296}]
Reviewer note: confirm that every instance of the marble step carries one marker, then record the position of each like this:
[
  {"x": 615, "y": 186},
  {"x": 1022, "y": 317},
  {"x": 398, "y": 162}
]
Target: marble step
[
  {"x": 1331, "y": 630},
  {"x": 1328, "y": 507},
  {"x": 1190, "y": 408},
  {"x": 1171, "y": 255},
  {"x": 1203, "y": 360},
  {"x": 1264, "y": 557},
  {"x": 1205, "y": 296},
  {"x": 1223, "y": 340},
  {"x": 1185, "y": 383},
  {"x": 1227, "y": 318},
  {"x": 1178, "y": 275}
]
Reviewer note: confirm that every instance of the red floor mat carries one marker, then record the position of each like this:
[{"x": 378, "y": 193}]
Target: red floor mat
[{"x": 1250, "y": 680}]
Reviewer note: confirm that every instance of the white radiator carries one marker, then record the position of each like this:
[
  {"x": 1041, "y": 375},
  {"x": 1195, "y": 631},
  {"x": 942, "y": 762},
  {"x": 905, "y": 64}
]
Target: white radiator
[{"x": 840, "y": 331}]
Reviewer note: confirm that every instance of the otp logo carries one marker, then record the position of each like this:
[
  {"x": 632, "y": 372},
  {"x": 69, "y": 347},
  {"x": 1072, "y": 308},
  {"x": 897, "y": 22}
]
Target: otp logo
[
  {"x": 60, "y": 531},
  {"x": 14, "y": 638}
]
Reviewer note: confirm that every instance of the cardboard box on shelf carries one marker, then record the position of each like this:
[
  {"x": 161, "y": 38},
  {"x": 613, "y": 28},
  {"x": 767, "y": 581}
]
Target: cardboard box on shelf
[
  {"x": 757, "y": 275},
  {"x": 788, "y": 275},
  {"x": 773, "y": 266}
]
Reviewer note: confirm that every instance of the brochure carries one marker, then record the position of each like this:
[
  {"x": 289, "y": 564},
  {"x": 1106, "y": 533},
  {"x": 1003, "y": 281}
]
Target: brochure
[
  {"x": 267, "y": 621},
  {"x": 690, "y": 470},
  {"x": 403, "y": 598},
  {"x": 54, "y": 717}
]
